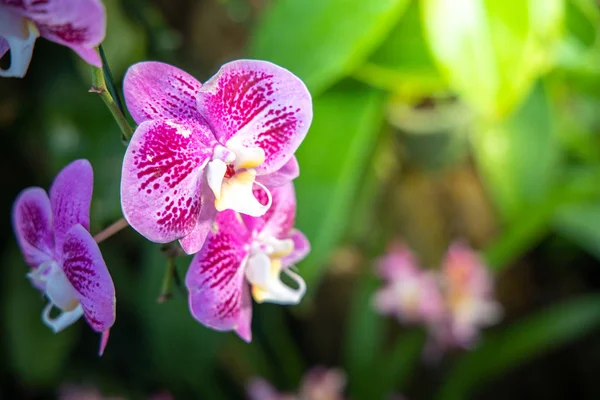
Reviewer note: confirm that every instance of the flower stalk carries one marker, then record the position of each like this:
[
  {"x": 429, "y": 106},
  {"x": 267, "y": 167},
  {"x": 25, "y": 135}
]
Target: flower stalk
[
  {"x": 99, "y": 86},
  {"x": 111, "y": 230}
]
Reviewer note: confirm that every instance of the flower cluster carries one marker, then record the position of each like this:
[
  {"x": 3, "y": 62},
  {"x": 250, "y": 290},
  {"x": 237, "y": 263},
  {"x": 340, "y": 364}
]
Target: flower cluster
[
  {"x": 454, "y": 303},
  {"x": 210, "y": 165}
]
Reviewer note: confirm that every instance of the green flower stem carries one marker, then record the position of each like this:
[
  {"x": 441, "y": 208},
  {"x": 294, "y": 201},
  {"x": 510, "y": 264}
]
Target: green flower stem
[
  {"x": 99, "y": 86},
  {"x": 166, "y": 292}
]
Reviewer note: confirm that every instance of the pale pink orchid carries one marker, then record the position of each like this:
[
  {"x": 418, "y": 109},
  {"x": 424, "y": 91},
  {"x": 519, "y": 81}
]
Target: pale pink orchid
[
  {"x": 66, "y": 263},
  {"x": 469, "y": 297},
  {"x": 410, "y": 293},
  {"x": 200, "y": 149},
  {"x": 78, "y": 24},
  {"x": 319, "y": 383},
  {"x": 245, "y": 256}
]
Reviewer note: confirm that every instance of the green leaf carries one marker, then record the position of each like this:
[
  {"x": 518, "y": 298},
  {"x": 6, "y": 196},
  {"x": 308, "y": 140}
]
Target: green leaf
[
  {"x": 581, "y": 224},
  {"x": 36, "y": 354},
  {"x": 518, "y": 157},
  {"x": 403, "y": 63},
  {"x": 323, "y": 40},
  {"x": 491, "y": 51},
  {"x": 364, "y": 338},
  {"x": 524, "y": 340},
  {"x": 332, "y": 157}
]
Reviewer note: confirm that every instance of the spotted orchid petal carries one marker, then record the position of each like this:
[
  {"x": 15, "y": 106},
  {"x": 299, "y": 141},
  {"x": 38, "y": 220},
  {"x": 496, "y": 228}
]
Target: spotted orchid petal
[
  {"x": 71, "y": 197},
  {"x": 154, "y": 90},
  {"x": 286, "y": 174},
  {"x": 257, "y": 105},
  {"x": 18, "y": 34},
  {"x": 32, "y": 222},
  {"x": 162, "y": 178},
  {"x": 215, "y": 279},
  {"x": 192, "y": 242},
  {"x": 300, "y": 251},
  {"x": 86, "y": 270},
  {"x": 78, "y": 24}
]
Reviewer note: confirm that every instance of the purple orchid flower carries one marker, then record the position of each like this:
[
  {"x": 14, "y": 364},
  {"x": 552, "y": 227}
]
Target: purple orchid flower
[
  {"x": 78, "y": 24},
  {"x": 319, "y": 383},
  {"x": 410, "y": 293},
  {"x": 200, "y": 149},
  {"x": 244, "y": 255},
  {"x": 66, "y": 263}
]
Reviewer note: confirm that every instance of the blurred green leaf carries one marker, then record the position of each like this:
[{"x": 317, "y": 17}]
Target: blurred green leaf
[
  {"x": 492, "y": 51},
  {"x": 365, "y": 331},
  {"x": 332, "y": 158},
  {"x": 323, "y": 40},
  {"x": 403, "y": 63},
  {"x": 183, "y": 350},
  {"x": 36, "y": 354},
  {"x": 524, "y": 340},
  {"x": 518, "y": 158},
  {"x": 581, "y": 224}
]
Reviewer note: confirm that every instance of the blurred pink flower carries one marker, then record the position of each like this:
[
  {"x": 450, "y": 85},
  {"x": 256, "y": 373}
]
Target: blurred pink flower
[
  {"x": 410, "y": 293},
  {"x": 469, "y": 297},
  {"x": 319, "y": 383}
]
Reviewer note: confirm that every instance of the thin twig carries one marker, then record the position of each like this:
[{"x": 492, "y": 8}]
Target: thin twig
[{"x": 111, "y": 230}]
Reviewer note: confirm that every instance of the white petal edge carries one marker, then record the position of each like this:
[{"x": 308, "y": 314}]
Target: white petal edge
[{"x": 21, "y": 35}]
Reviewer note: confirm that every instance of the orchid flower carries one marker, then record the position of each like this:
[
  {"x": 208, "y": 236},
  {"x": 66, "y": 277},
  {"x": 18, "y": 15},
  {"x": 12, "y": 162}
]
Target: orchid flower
[
  {"x": 200, "y": 149},
  {"x": 246, "y": 255},
  {"x": 410, "y": 294},
  {"x": 469, "y": 289},
  {"x": 66, "y": 263},
  {"x": 78, "y": 24},
  {"x": 318, "y": 384}
]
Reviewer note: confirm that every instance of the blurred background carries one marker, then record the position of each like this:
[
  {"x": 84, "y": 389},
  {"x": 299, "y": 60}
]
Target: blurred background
[{"x": 434, "y": 120}]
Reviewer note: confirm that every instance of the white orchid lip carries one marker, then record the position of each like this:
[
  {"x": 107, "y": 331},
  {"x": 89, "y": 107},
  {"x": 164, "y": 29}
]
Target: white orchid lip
[
  {"x": 61, "y": 294},
  {"x": 263, "y": 271},
  {"x": 235, "y": 192},
  {"x": 21, "y": 34}
]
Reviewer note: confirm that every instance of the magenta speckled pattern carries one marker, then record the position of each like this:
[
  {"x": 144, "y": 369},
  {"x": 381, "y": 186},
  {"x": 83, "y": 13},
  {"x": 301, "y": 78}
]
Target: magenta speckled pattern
[
  {"x": 264, "y": 105},
  {"x": 32, "y": 222},
  {"x": 70, "y": 198},
  {"x": 154, "y": 90},
  {"x": 161, "y": 178},
  {"x": 85, "y": 268},
  {"x": 216, "y": 280}
]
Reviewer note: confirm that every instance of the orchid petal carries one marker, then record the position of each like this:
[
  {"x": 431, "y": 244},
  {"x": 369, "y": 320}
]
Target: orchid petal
[
  {"x": 162, "y": 178},
  {"x": 263, "y": 273},
  {"x": 103, "y": 342},
  {"x": 260, "y": 105},
  {"x": 32, "y": 222},
  {"x": 85, "y": 268},
  {"x": 4, "y": 46},
  {"x": 285, "y": 174},
  {"x": 64, "y": 320},
  {"x": 71, "y": 197},
  {"x": 193, "y": 242},
  {"x": 244, "y": 329},
  {"x": 301, "y": 249},
  {"x": 215, "y": 278},
  {"x": 19, "y": 35},
  {"x": 80, "y": 25},
  {"x": 278, "y": 221},
  {"x": 154, "y": 90},
  {"x": 237, "y": 195}
]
